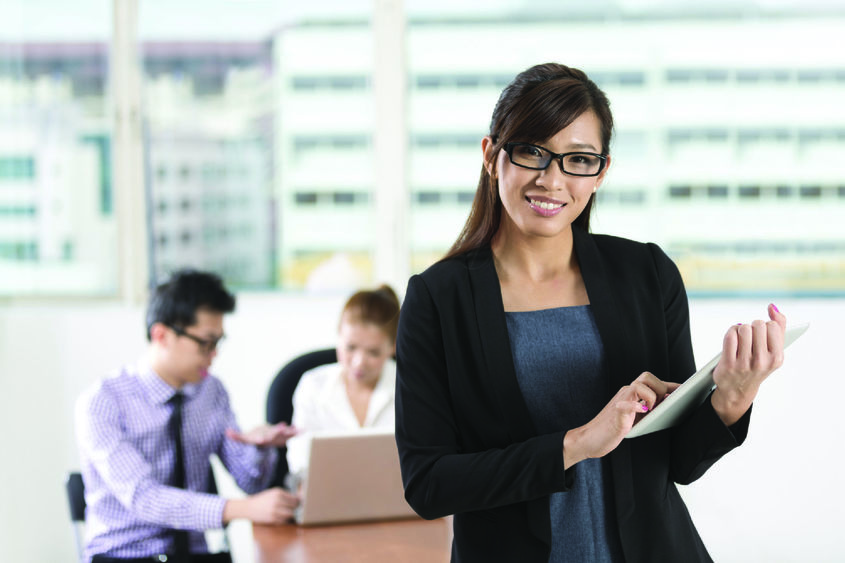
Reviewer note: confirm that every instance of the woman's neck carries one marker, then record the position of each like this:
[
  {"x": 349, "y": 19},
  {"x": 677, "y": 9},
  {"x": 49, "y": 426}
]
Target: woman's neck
[
  {"x": 359, "y": 394},
  {"x": 537, "y": 259},
  {"x": 538, "y": 272},
  {"x": 356, "y": 386}
]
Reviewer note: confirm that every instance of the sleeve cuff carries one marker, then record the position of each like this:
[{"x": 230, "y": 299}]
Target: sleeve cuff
[
  {"x": 720, "y": 437},
  {"x": 739, "y": 429},
  {"x": 565, "y": 477},
  {"x": 210, "y": 512}
]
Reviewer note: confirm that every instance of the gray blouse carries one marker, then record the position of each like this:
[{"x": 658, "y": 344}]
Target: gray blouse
[{"x": 558, "y": 356}]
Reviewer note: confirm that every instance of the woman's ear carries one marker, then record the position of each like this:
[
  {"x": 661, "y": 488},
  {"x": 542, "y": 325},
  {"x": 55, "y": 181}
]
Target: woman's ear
[
  {"x": 487, "y": 153},
  {"x": 600, "y": 177}
]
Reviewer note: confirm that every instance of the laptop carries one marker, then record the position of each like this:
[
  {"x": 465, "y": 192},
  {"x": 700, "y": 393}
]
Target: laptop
[{"x": 352, "y": 477}]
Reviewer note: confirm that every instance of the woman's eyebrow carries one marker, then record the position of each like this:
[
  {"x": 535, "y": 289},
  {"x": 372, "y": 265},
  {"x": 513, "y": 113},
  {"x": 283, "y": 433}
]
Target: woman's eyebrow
[{"x": 582, "y": 146}]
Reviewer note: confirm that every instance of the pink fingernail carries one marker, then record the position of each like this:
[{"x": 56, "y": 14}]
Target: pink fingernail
[
  {"x": 775, "y": 307},
  {"x": 645, "y": 408}
]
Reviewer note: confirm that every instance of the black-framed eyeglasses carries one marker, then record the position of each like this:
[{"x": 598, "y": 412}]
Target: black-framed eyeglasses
[
  {"x": 207, "y": 346},
  {"x": 536, "y": 157}
]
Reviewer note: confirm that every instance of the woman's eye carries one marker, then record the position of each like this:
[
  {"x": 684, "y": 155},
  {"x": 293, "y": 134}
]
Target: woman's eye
[
  {"x": 581, "y": 159},
  {"x": 528, "y": 150}
]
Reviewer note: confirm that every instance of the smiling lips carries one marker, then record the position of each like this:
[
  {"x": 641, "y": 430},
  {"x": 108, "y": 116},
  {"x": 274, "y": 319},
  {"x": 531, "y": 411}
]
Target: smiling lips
[{"x": 545, "y": 206}]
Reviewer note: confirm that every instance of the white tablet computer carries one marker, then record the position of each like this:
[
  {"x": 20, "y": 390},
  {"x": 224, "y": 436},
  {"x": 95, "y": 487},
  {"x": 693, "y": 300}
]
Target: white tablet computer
[{"x": 692, "y": 393}]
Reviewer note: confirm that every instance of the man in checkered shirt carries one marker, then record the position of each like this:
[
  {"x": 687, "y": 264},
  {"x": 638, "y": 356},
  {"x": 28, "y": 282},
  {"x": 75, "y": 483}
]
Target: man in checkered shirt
[{"x": 135, "y": 509}]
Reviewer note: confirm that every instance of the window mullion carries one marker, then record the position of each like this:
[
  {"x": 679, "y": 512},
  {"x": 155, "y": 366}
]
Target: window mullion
[
  {"x": 128, "y": 167},
  {"x": 392, "y": 248}
]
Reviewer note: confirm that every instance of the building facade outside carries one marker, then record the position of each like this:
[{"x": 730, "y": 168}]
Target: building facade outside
[
  {"x": 728, "y": 143},
  {"x": 260, "y": 162}
]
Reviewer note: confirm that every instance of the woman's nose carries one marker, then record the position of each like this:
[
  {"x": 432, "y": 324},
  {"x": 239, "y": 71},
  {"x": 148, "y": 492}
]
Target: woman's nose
[{"x": 552, "y": 178}]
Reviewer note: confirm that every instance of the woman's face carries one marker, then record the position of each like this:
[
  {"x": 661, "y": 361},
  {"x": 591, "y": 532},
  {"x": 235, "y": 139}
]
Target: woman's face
[
  {"x": 362, "y": 349},
  {"x": 544, "y": 203}
]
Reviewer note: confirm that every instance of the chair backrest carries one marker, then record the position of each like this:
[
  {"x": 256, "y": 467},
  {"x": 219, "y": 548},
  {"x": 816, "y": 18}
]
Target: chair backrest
[
  {"x": 75, "y": 496},
  {"x": 75, "y": 490},
  {"x": 280, "y": 397}
]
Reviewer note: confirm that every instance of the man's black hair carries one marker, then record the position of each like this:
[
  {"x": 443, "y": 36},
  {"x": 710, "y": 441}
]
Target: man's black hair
[{"x": 176, "y": 301}]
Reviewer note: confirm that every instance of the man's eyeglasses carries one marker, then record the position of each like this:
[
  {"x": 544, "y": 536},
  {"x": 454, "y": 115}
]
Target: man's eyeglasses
[
  {"x": 207, "y": 346},
  {"x": 536, "y": 157}
]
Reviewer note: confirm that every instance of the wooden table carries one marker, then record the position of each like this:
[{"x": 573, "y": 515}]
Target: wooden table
[{"x": 411, "y": 541}]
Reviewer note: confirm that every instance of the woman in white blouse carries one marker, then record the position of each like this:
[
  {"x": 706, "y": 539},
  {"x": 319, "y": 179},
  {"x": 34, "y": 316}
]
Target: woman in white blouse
[{"x": 357, "y": 391}]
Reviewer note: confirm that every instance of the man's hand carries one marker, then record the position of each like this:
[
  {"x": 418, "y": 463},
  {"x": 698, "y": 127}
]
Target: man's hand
[
  {"x": 273, "y": 506},
  {"x": 265, "y": 435}
]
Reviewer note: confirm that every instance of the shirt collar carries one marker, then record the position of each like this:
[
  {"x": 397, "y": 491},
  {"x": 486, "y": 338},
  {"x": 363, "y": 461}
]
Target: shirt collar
[{"x": 158, "y": 390}]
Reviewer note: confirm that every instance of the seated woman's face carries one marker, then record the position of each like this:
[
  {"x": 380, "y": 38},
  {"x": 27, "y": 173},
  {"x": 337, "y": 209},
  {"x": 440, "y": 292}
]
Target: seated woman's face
[{"x": 362, "y": 349}]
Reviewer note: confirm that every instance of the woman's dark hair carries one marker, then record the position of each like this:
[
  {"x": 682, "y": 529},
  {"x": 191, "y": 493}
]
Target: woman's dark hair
[
  {"x": 176, "y": 301},
  {"x": 535, "y": 106},
  {"x": 379, "y": 307}
]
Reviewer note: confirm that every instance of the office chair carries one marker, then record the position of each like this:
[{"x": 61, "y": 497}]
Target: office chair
[
  {"x": 76, "y": 501},
  {"x": 75, "y": 488},
  {"x": 280, "y": 397}
]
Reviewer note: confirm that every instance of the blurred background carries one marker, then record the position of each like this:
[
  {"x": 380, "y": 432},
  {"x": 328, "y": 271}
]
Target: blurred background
[{"x": 304, "y": 151}]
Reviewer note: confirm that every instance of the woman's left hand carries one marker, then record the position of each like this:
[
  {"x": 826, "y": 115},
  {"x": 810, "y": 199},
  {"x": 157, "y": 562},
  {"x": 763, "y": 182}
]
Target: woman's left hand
[{"x": 749, "y": 354}]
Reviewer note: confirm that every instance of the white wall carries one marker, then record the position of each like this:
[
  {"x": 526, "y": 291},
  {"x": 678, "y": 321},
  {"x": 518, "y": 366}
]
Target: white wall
[{"x": 776, "y": 499}]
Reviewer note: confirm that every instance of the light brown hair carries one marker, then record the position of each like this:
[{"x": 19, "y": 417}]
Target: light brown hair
[{"x": 379, "y": 307}]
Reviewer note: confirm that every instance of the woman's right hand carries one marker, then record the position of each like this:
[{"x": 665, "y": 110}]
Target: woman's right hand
[{"x": 603, "y": 433}]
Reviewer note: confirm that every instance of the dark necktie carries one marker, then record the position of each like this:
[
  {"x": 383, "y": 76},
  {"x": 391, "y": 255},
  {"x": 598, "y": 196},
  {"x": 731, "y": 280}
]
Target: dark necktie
[{"x": 180, "y": 537}]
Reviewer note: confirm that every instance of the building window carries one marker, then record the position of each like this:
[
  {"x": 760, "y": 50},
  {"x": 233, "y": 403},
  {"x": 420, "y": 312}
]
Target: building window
[
  {"x": 680, "y": 192},
  {"x": 811, "y": 192},
  {"x": 748, "y": 192},
  {"x": 349, "y": 198},
  {"x": 428, "y": 198},
  {"x": 784, "y": 191},
  {"x": 466, "y": 198},
  {"x": 717, "y": 192},
  {"x": 305, "y": 198}
]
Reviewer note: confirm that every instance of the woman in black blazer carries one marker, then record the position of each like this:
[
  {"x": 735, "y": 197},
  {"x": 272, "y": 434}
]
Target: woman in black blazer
[{"x": 479, "y": 429}]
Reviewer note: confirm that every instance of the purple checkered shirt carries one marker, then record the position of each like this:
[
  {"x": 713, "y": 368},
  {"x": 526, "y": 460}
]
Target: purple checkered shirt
[{"x": 127, "y": 457}]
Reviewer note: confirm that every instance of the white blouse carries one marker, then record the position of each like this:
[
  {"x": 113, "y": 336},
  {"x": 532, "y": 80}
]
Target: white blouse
[{"x": 320, "y": 404}]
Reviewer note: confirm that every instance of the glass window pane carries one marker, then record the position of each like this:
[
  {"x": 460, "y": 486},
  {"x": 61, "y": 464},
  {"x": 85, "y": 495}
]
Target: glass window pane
[
  {"x": 260, "y": 141},
  {"x": 705, "y": 134},
  {"x": 58, "y": 230}
]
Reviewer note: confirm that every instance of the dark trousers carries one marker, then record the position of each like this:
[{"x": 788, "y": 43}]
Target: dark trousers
[{"x": 223, "y": 557}]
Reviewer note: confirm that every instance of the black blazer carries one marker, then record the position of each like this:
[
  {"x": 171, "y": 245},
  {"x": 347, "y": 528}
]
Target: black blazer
[{"x": 467, "y": 445}]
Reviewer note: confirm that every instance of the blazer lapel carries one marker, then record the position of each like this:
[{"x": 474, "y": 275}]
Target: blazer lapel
[
  {"x": 493, "y": 333},
  {"x": 605, "y": 307},
  {"x": 613, "y": 332}
]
